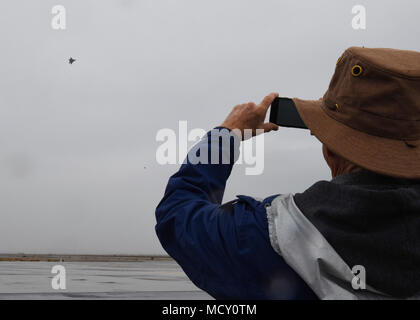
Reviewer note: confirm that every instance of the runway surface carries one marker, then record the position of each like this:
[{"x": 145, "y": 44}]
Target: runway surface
[{"x": 97, "y": 280}]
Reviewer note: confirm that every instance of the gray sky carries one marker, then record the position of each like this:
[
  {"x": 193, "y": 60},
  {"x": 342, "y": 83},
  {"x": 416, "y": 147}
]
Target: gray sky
[{"x": 74, "y": 139}]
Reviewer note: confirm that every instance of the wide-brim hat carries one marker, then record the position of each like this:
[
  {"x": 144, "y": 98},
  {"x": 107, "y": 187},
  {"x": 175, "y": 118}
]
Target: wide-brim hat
[{"x": 370, "y": 114}]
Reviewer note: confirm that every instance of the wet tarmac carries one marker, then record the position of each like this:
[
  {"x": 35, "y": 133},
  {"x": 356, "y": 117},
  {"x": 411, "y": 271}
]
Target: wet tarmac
[{"x": 97, "y": 280}]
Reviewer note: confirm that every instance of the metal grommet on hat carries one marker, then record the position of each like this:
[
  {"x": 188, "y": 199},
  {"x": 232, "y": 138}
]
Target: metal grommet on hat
[
  {"x": 333, "y": 106},
  {"x": 357, "y": 70}
]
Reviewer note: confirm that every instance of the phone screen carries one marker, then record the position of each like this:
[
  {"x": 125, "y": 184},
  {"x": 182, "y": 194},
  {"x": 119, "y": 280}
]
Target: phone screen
[{"x": 284, "y": 113}]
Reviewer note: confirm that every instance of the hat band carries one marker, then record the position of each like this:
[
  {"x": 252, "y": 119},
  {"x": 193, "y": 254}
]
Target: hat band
[{"x": 372, "y": 124}]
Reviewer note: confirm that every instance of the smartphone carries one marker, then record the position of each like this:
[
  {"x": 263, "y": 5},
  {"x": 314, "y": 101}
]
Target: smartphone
[{"x": 284, "y": 113}]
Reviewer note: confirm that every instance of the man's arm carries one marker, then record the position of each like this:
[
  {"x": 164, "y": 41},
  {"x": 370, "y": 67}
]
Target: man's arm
[
  {"x": 204, "y": 183},
  {"x": 225, "y": 250}
]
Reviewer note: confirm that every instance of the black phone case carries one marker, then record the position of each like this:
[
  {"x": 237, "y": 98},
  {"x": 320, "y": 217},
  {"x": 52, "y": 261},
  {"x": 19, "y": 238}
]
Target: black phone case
[{"x": 284, "y": 113}]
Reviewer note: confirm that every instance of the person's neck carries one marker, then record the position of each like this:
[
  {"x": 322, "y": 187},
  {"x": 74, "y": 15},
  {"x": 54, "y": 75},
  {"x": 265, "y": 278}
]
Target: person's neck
[{"x": 340, "y": 170}]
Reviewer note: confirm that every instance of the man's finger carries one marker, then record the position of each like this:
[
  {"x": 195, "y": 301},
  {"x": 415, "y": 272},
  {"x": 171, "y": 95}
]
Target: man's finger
[
  {"x": 267, "y": 101},
  {"x": 268, "y": 126}
]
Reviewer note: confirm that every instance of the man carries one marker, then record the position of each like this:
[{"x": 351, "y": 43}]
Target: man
[{"x": 305, "y": 246}]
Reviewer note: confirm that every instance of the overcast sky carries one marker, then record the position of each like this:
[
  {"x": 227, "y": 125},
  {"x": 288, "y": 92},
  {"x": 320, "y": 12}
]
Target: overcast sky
[{"x": 77, "y": 142}]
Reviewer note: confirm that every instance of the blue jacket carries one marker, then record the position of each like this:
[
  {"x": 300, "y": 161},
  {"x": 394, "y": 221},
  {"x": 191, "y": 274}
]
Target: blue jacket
[{"x": 224, "y": 249}]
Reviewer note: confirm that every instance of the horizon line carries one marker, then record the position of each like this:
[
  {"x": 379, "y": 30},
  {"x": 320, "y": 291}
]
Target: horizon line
[{"x": 56, "y": 257}]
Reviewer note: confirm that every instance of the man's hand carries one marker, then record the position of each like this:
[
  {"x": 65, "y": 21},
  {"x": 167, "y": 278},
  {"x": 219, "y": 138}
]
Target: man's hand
[{"x": 251, "y": 116}]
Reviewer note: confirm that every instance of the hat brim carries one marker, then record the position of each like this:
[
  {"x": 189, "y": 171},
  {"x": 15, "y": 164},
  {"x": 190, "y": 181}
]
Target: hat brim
[{"x": 382, "y": 155}]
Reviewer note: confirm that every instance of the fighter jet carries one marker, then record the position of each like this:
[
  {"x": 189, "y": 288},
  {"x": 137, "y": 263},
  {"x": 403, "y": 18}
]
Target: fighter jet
[{"x": 71, "y": 60}]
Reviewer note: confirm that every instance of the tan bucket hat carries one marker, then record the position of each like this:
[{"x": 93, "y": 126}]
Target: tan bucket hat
[{"x": 370, "y": 114}]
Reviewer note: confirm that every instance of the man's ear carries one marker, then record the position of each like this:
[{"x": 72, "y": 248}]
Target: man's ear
[
  {"x": 329, "y": 153},
  {"x": 330, "y": 158}
]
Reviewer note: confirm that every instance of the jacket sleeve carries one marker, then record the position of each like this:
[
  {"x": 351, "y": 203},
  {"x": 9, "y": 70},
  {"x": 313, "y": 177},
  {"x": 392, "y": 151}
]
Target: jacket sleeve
[{"x": 224, "y": 249}]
